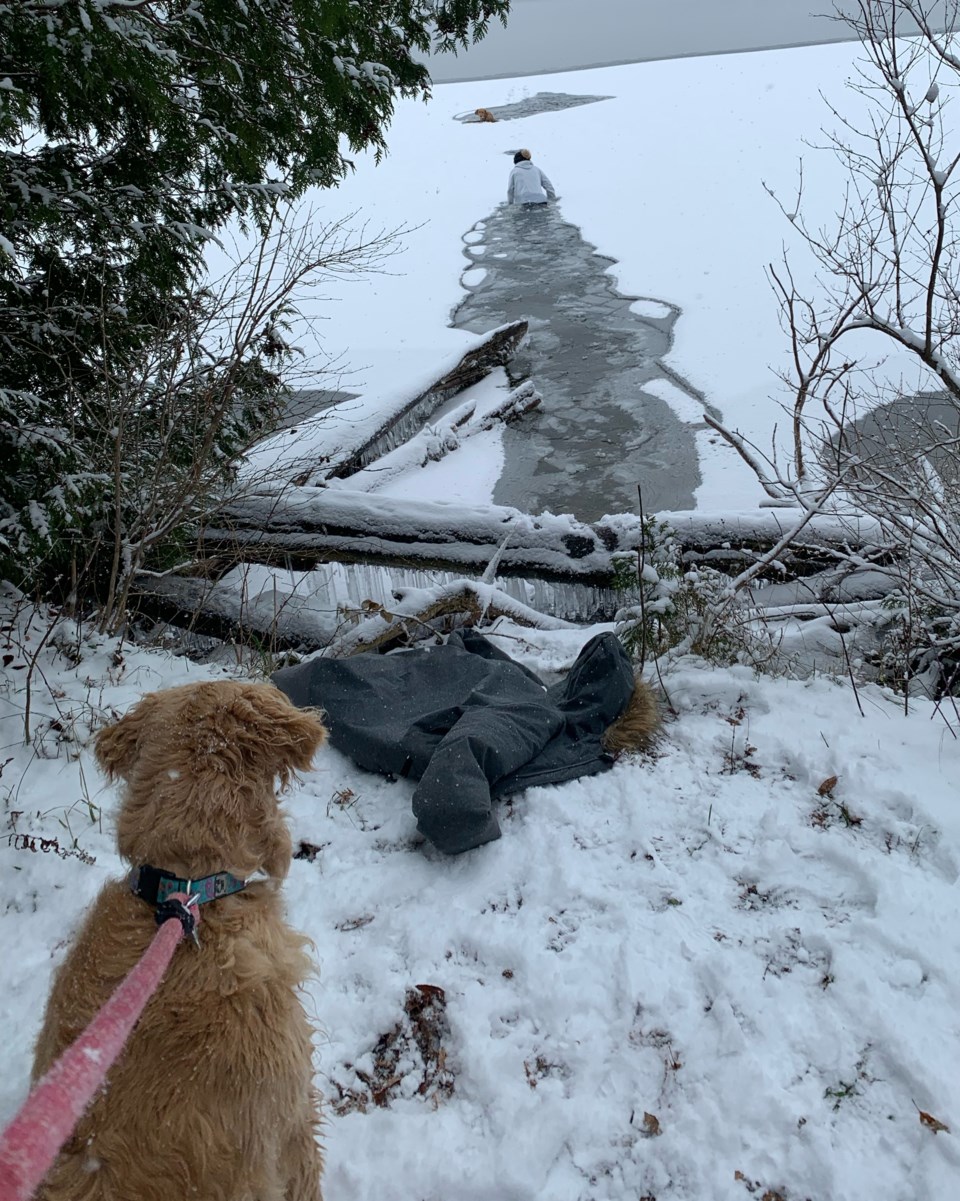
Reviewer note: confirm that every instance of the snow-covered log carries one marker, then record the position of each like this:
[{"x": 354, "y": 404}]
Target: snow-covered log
[
  {"x": 280, "y": 621},
  {"x": 300, "y": 527},
  {"x": 435, "y": 441},
  {"x": 731, "y": 540},
  {"x": 555, "y": 563},
  {"x": 348, "y": 436},
  {"x": 275, "y": 621}
]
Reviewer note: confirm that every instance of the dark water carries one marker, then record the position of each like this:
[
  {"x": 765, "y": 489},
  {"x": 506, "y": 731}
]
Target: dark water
[
  {"x": 894, "y": 439},
  {"x": 305, "y": 402},
  {"x": 598, "y": 432}
]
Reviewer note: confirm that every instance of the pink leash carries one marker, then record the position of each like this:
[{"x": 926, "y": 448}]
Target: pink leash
[{"x": 30, "y": 1144}]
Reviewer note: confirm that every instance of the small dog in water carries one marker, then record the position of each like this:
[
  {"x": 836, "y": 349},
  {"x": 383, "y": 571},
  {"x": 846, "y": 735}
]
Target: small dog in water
[
  {"x": 212, "y": 1098},
  {"x": 484, "y": 114}
]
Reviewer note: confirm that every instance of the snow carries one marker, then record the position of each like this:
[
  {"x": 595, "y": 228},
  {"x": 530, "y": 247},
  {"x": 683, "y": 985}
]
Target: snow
[
  {"x": 473, "y": 277},
  {"x": 696, "y": 935},
  {"x": 682, "y": 403},
  {"x": 651, "y": 308},
  {"x": 704, "y": 974}
]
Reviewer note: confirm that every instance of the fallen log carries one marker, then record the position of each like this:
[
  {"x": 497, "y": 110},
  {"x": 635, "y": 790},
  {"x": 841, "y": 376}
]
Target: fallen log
[
  {"x": 301, "y": 527},
  {"x": 566, "y": 568},
  {"x": 201, "y": 606},
  {"x": 737, "y": 538},
  {"x": 350, "y": 435},
  {"x": 278, "y": 622},
  {"x": 435, "y": 441}
]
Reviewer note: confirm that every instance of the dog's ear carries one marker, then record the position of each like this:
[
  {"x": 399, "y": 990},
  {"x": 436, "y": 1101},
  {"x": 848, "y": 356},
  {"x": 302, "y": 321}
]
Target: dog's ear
[
  {"x": 115, "y": 746},
  {"x": 276, "y": 732}
]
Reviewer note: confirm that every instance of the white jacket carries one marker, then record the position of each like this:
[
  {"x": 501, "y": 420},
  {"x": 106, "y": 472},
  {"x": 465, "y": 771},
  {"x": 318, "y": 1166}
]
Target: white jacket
[{"x": 529, "y": 185}]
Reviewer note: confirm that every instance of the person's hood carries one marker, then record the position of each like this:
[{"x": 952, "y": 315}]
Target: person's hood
[{"x": 598, "y": 686}]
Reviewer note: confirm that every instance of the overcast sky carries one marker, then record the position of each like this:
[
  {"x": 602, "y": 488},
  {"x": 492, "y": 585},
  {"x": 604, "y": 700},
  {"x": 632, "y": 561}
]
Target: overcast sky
[{"x": 557, "y": 35}]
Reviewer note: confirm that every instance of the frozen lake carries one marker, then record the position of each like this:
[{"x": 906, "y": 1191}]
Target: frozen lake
[{"x": 735, "y": 119}]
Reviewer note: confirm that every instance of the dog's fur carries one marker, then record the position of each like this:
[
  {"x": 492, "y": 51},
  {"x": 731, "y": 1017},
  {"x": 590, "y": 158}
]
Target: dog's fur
[
  {"x": 212, "y": 1098},
  {"x": 484, "y": 114},
  {"x": 637, "y": 726}
]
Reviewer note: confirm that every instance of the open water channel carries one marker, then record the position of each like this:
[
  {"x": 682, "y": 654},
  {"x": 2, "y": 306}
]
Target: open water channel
[{"x": 599, "y": 434}]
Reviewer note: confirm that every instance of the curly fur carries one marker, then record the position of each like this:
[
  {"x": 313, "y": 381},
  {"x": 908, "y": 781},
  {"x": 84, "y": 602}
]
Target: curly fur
[
  {"x": 212, "y": 1098},
  {"x": 637, "y": 725}
]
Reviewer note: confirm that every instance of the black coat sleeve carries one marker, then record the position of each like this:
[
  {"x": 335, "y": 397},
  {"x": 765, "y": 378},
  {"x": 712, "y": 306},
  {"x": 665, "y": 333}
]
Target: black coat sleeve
[{"x": 452, "y": 802}]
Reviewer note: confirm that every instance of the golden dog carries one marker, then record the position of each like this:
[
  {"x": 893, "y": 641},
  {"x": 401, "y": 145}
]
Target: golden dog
[
  {"x": 484, "y": 114},
  {"x": 212, "y": 1098}
]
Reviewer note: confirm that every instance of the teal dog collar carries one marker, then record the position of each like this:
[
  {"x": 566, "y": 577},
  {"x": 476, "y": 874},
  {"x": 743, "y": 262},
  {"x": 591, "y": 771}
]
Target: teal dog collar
[{"x": 154, "y": 885}]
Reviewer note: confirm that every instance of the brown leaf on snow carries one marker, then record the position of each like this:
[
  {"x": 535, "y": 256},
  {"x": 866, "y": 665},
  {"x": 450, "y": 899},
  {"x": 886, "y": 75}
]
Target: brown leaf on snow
[
  {"x": 651, "y": 1124},
  {"x": 827, "y": 787},
  {"x": 432, "y": 992},
  {"x": 928, "y": 1120}
]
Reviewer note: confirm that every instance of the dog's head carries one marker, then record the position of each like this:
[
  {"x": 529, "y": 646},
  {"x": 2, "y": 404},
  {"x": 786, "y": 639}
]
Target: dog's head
[{"x": 200, "y": 763}]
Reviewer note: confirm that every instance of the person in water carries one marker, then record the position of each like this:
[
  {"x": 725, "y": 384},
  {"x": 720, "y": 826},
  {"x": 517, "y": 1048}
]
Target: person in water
[{"x": 528, "y": 184}]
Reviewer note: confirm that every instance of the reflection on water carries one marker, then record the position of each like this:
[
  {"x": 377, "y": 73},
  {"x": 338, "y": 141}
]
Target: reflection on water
[{"x": 598, "y": 433}]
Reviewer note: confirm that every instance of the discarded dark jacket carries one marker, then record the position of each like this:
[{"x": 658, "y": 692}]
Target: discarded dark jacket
[{"x": 468, "y": 722}]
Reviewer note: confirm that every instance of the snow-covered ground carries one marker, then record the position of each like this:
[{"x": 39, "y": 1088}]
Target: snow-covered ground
[
  {"x": 700, "y": 936},
  {"x": 708, "y": 973}
]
